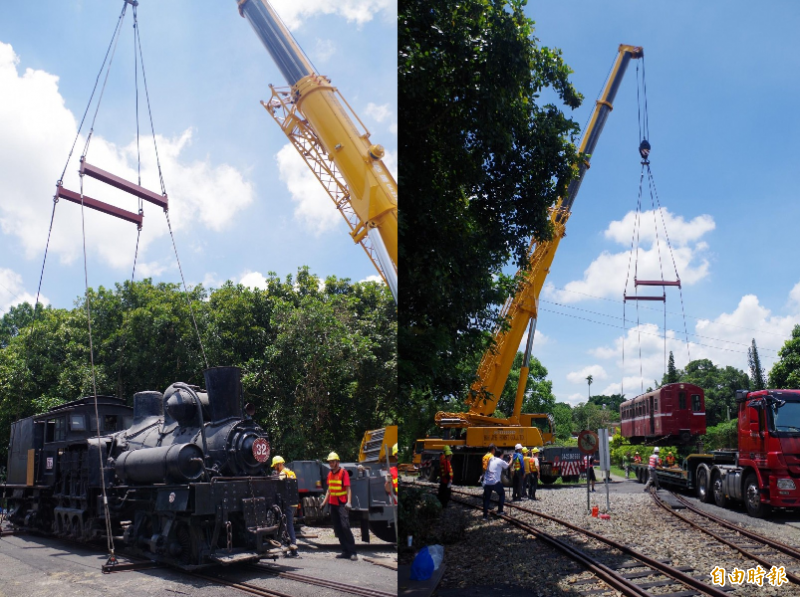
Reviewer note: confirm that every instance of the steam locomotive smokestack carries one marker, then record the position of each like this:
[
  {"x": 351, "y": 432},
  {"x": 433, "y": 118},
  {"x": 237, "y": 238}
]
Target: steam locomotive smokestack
[{"x": 224, "y": 386}]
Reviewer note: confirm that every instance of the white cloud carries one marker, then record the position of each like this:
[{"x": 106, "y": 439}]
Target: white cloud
[
  {"x": 794, "y": 298},
  {"x": 724, "y": 340},
  {"x": 574, "y": 399},
  {"x": 607, "y": 274},
  {"x": 253, "y": 280},
  {"x": 12, "y": 291},
  {"x": 294, "y": 13},
  {"x": 211, "y": 280},
  {"x": 323, "y": 51},
  {"x": 37, "y": 132},
  {"x": 378, "y": 113},
  {"x": 393, "y": 128},
  {"x": 596, "y": 371},
  {"x": 681, "y": 232},
  {"x": 374, "y": 278},
  {"x": 314, "y": 206}
]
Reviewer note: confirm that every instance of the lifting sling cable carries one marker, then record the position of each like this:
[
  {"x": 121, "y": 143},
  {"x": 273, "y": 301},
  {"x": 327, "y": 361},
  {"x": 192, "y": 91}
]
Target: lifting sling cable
[
  {"x": 644, "y": 151},
  {"x": 164, "y": 192}
]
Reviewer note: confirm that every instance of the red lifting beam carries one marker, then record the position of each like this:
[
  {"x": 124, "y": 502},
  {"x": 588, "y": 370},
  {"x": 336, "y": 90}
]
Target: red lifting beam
[
  {"x": 657, "y": 283},
  {"x": 99, "y": 206},
  {"x": 644, "y": 298},
  {"x": 123, "y": 185}
]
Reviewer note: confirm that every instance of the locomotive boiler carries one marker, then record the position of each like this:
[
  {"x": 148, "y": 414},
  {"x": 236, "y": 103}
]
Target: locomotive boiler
[{"x": 186, "y": 474}]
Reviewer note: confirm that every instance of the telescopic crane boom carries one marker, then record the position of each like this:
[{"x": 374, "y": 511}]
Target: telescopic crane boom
[
  {"x": 521, "y": 310},
  {"x": 341, "y": 156}
]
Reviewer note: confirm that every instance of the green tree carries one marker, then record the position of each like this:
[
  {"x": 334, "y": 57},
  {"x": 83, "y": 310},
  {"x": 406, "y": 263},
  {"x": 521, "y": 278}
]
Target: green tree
[
  {"x": 319, "y": 362},
  {"x": 785, "y": 373},
  {"x": 589, "y": 380},
  {"x": 562, "y": 413},
  {"x": 757, "y": 378},
  {"x": 483, "y": 160},
  {"x": 672, "y": 371},
  {"x": 612, "y": 402},
  {"x": 719, "y": 386},
  {"x": 539, "y": 395}
]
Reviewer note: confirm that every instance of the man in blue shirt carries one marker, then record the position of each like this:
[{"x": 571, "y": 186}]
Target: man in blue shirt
[{"x": 492, "y": 482}]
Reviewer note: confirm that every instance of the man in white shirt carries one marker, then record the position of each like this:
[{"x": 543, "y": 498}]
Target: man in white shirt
[{"x": 492, "y": 482}]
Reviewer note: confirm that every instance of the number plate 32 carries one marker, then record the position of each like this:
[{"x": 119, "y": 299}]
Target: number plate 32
[{"x": 261, "y": 449}]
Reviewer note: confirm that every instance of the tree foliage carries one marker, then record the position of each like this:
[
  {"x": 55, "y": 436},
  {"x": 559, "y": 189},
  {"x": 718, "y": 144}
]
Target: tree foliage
[
  {"x": 483, "y": 159},
  {"x": 785, "y": 373},
  {"x": 539, "y": 395},
  {"x": 672, "y": 370},
  {"x": 757, "y": 378},
  {"x": 319, "y": 364}
]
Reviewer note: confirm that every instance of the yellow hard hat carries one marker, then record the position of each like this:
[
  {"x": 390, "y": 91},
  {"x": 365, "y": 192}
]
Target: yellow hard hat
[
  {"x": 535, "y": 451},
  {"x": 332, "y": 456},
  {"x": 447, "y": 451},
  {"x": 524, "y": 450},
  {"x": 277, "y": 460},
  {"x": 394, "y": 450}
]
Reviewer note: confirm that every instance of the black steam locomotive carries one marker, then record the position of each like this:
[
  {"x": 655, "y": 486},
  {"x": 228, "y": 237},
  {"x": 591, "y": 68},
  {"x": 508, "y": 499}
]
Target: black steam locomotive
[{"x": 186, "y": 474}]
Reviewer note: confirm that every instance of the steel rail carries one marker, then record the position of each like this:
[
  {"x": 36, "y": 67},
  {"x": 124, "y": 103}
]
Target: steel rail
[
  {"x": 664, "y": 569},
  {"x": 330, "y": 584},
  {"x": 241, "y": 586},
  {"x": 745, "y": 552},
  {"x": 603, "y": 572}
]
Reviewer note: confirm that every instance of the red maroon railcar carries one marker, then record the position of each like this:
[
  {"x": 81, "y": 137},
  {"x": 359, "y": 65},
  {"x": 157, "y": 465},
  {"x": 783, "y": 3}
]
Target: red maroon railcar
[{"x": 673, "y": 413}]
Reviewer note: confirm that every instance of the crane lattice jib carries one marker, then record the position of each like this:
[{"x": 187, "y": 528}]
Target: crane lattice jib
[
  {"x": 305, "y": 141},
  {"x": 372, "y": 189},
  {"x": 518, "y": 311}
]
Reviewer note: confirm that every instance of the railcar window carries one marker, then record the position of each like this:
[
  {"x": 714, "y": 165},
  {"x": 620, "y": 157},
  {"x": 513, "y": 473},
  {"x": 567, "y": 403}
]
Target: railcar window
[
  {"x": 655, "y": 405},
  {"x": 77, "y": 423},
  {"x": 50, "y": 429},
  {"x": 110, "y": 423},
  {"x": 60, "y": 433},
  {"x": 696, "y": 403},
  {"x": 682, "y": 401}
]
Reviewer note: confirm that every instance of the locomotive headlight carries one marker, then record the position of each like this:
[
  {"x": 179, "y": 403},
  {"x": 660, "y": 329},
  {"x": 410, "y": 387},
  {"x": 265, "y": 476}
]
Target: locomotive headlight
[{"x": 786, "y": 484}]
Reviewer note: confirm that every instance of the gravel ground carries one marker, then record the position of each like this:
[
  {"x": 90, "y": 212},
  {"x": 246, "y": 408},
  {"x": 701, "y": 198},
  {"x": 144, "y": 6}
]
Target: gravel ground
[{"x": 495, "y": 554}]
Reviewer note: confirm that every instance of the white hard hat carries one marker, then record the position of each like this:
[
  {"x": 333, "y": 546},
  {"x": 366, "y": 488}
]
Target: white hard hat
[
  {"x": 518, "y": 447},
  {"x": 656, "y": 450}
]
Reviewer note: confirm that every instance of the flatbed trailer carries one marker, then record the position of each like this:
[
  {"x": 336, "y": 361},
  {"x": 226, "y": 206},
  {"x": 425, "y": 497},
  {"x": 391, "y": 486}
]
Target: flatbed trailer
[{"x": 682, "y": 477}]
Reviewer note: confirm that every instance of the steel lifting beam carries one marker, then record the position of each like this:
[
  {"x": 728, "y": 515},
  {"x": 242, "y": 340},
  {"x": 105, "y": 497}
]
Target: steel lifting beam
[
  {"x": 644, "y": 298},
  {"x": 657, "y": 283},
  {"x": 123, "y": 185},
  {"x": 106, "y": 208}
]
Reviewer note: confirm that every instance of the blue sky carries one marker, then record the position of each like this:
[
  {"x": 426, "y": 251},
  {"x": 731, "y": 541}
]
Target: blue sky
[
  {"x": 242, "y": 202},
  {"x": 722, "y": 87}
]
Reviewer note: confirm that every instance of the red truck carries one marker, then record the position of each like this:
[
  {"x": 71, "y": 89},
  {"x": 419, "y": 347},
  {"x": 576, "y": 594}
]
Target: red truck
[{"x": 764, "y": 472}]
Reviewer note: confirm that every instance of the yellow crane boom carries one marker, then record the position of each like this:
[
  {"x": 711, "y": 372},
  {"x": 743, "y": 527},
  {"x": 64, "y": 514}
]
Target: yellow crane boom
[
  {"x": 522, "y": 309},
  {"x": 312, "y": 114}
]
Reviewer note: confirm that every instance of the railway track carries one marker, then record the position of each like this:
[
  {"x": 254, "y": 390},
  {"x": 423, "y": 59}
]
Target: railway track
[
  {"x": 618, "y": 577},
  {"x": 321, "y": 582},
  {"x": 758, "y": 548}
]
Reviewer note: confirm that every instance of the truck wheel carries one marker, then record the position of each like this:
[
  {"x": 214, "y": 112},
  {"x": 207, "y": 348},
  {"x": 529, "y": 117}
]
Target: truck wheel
[
  {"x": 506, "y": 479},
  {"x": 752, "y": 498},
  {"x": 432, "y": 473},
  {"x": 702, "y": 475},
  {"x": 547, "y": 479},
  {"x": 719, "y": 491}
]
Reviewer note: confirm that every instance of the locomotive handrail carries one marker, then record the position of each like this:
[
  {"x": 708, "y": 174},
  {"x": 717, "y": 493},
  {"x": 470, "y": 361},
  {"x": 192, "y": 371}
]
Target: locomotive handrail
[{"x": 182, "y": 386}]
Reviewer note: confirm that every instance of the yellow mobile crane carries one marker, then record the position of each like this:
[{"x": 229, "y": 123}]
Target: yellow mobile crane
[
  {"x": 469, "y": 433},
  {"x": 311, "y": 112}
]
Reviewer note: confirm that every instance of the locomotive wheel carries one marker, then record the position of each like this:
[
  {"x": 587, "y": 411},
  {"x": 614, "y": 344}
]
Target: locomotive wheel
[
  {"x": 506, "y": 479},
  {"x": 702, "y": 475},
  {"x": 752, "y": 498},
  {"x": 719, "y": 492},
  {"x": 383, "y": 530},
  {"x": 548, "y": 479}
]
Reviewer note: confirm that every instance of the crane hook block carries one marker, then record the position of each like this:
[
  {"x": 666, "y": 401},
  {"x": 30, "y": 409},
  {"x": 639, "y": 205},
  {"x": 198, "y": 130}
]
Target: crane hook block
[{"x": 644, "y": 149}]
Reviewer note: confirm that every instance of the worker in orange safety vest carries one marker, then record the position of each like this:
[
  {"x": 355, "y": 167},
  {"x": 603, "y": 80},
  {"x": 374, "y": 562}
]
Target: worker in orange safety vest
[
  {"x": 445, "y": 475},
  {"x": 339, "y": 496}
]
